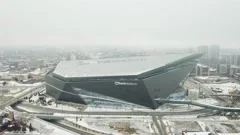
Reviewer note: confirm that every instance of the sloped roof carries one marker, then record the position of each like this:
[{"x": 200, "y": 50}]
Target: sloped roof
[{"x": 115, "y": 66}]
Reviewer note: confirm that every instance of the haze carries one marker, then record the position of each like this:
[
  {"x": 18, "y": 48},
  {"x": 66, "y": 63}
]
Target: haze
[{"x": 136, "y": 23}]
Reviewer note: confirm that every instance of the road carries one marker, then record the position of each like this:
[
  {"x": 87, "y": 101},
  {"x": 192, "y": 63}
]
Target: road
[
  {"x": 22, "y": 95},
  {"x": 156, "y": 116},
  {"x": 44, "y": 110},
  {"x": 14, "y": 87}
]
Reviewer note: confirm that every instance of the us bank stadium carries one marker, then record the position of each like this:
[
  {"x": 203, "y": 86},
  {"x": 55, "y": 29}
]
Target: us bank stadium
[{"x": 133, "y": 80}]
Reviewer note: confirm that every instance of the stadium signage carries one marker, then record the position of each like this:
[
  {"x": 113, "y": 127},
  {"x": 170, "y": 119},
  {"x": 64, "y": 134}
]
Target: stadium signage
[{"x": 126, "y": 83}]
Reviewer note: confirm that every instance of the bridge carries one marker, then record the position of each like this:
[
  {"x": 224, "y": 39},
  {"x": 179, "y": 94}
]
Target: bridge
[{"x": 22, "y": 95}]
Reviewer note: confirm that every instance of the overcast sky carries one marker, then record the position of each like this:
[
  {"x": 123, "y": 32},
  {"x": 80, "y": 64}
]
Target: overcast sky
[{"x": 154, "y": 23}]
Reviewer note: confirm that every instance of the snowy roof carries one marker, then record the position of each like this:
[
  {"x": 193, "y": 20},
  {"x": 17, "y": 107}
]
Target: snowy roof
[
  {"x": 235, "y": 66},
  {"x": 116, "y": 66},
  {"x": 201, "y": 65},
  {"x": 212, "y": 69}
]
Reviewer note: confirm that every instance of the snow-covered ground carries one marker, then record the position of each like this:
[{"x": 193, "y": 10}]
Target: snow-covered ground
[
  {"x": 178, "y": 123},
  {"x": 37, "y": 71},
  {"x": 142, "y": 125},
  {"x": 225, "y": 87},
  {"x": 177, "y": 96},
  {"x": 194, "y": 117},
  {"x": 211, "y": 78},
  {"x": 15, "y": 89},
  {"x": 35, "y": 98},
  {"x": 45, "y": 128},
  {"x": 209, "y": 101},
  {"x": 177, "y": 127},
  {"x": 103, "y": 123},
  {"x": 13, "y": 83}
]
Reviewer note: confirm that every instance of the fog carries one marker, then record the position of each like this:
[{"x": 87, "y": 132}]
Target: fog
[{"x": 134, "y": 23}]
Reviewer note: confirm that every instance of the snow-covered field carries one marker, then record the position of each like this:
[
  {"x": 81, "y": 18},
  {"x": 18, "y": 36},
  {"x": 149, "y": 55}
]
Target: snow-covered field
[
  {"x": 5, "y": 98},
  {"x": 222, "y": 127},
  {"x": 177, "y": 124},
  {"x": 225, "y": 87},
  {"x": 117, "y": 126},
  {"x": 142, "y": 125},
  {"x": 45, "y": 128},
  {"x": 194, "y": 117},
  {"x": 209, "y": 101},
  {"x": 15, "y": 89}
]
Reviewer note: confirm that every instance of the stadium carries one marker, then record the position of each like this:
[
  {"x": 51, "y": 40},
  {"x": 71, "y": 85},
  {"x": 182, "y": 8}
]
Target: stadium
[{"x": 133, "y": 80}]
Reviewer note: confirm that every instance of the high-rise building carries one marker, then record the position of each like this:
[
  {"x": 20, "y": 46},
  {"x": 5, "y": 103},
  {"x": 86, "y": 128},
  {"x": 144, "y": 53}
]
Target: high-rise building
[
  {"x": 213, "y": 51},
  {"x": 203, "y": 49},
  {"x": 236, "y": 60},
  {"x": 213, "y": 55}
]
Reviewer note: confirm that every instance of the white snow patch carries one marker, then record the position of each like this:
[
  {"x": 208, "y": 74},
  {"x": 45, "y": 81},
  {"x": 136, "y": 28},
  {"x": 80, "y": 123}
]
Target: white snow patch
[{"x": 47, "y": 128}]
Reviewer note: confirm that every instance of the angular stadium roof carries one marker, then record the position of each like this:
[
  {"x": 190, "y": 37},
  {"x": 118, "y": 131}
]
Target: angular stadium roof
[{"x": 117, "y": 66}]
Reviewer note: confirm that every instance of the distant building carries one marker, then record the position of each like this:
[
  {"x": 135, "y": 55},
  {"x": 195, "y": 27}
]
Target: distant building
[
  {"x": 229, "y": 64},
  {"x": 203, "y": 70},
  {"x": 236, "y": 60},
  {"x": 224, "y": 69},
  {"x": 233, "y": 70},
  {"x": 237, "y": 76},
  {"x": 213, "y": 55},
  {"x": 210, "y": 56},
  {"x": 213, "y": 51},
  {"x": 4, "y": 68},
  {"x": 193, "y": 72},
  {"x": 203, "y": 49},
  {"x": 72, "y": 56}
]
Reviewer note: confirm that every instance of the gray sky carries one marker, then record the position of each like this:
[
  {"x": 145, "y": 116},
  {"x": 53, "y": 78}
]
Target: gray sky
[{"x": 154, "y": 23}]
